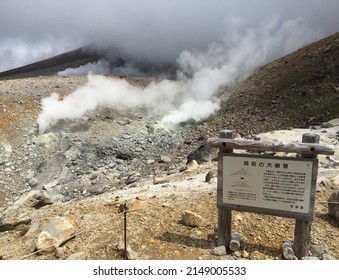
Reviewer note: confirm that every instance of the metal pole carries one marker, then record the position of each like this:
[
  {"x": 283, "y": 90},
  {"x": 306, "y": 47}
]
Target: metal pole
[
  {"x": 123, "y": 209},
  {"x": 125, "y": 229}
]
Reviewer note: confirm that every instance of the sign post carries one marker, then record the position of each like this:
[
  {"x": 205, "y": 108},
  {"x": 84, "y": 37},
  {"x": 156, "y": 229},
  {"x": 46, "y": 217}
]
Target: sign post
[
  {"x": 224, "y": 214},
  {"x": 271, "y": 185},
  {"x": 302, "y": 231}
]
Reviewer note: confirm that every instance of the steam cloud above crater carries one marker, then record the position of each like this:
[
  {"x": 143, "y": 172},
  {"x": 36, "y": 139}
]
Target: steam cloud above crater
[{"x": 202, "y": 73}]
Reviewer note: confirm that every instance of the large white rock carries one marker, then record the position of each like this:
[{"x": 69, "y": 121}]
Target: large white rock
[
  {"x": 58, "y": 231},
  {"x": 192, "y": 219}
]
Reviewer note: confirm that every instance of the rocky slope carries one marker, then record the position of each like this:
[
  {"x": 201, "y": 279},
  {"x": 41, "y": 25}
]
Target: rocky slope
[
  {"x": 87, "y": 168},
  {"x": 298, "y": 90}
]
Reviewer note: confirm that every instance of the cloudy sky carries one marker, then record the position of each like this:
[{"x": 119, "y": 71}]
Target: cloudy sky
[{"x": 154, "y": 29}]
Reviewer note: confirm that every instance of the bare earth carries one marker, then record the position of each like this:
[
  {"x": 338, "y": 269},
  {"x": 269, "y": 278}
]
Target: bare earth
[{"x": 156, "y": 232}]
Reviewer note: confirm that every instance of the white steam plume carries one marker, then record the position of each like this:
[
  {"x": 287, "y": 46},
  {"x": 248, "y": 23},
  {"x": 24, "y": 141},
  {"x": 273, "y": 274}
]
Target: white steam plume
[
  {"x": 100, "y": 67},
  {"x": 201, "y": 76}
]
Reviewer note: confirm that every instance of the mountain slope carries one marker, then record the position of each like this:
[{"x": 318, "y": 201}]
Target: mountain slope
[
  {"x": 51, "y": 66},
  {"x": 298, "y": 90}
]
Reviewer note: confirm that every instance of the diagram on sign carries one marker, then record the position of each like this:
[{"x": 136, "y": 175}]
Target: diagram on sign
[
  {"x": 242, "y": 172},
  {"x": 243, "y": 183}
]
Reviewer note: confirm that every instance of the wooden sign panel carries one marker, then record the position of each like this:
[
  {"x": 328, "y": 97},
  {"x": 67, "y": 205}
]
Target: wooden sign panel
[{"x": 280, "y": 186}]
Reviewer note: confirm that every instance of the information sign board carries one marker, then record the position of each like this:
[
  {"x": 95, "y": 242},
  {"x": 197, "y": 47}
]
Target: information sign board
[{"x": 280, "y": 184}]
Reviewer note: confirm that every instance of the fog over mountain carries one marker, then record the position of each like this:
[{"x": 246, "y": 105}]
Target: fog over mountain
[{"x": 155, "y": 30}]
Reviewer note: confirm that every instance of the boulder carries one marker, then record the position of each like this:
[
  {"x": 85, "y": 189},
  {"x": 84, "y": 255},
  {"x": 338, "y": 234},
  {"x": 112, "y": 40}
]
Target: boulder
[
  {"x": 333, "y": 205},
  {"x": 132, "y": 178},
  {"x": 317, "y": 250},
  {"x": 202, "y": 154},
  {"x": 35, "y": 199},
  {"x": 51, "y": 168},
  {"x": 97, "y": 189},
  {"x": 192, "y": 165},
  {"x": 123, "y": 122},
  {"x": 161, "y": 180},
  {"x": 58, "y": 231},
  {"x": 165, "y": 159},
  {"x": 192, "y": 219},
  {"x": 13, "y": 217},
  {"x": 211, "y": 174},
  {"x": 32, "y": 230},
  {"x": 124, "y": 154}
]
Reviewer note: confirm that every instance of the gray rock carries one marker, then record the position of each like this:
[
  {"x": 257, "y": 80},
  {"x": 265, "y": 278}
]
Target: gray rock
[
  {"x": 13, "y": 217},
  {"x": 124, "y": 154},
  {"x": 65, "y": 175},
  {"x": 32, "y": 230},
  {"x": 33, "y": 182},
  {"x": 96, "y": 189},
  {"x": 51, "y": 168},
  {"x": 165, "y": 159},
  {"x": 211, "y": 174},
  {"x": 35, "y": 199},
  {"x": 334, "y": 122},
  {"x": 123, "y": 122},
  {"x": 94, "y": 176},
  {"x": 132, "y": 178},
  {"x": 183, "y": 168},
  {"x": 150, "y": 161},
  {"x": 58, "y": 231},
  {"x": 317, "y": 250},
  {"x": 202, "y": 154},
  {"x": 333, "y": 205},
  {"x": 219, "y": 251}
]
